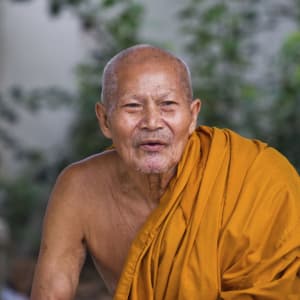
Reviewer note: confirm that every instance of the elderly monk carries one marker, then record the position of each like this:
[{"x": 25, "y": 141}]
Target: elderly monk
[{"x": 171, "y": 211}]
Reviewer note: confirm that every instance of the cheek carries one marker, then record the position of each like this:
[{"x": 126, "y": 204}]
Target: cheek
[
  {"x": 181, "y": 129},
  {"x": 123, "y": 126},
  {"x": 180, "y": 120}
]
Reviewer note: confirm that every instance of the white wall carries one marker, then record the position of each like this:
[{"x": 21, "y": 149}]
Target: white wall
[{"x": 37, "y": 51}]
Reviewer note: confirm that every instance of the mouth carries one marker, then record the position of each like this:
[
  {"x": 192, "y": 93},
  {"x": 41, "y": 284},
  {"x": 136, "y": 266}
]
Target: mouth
[{"x": 152, "y": 146}]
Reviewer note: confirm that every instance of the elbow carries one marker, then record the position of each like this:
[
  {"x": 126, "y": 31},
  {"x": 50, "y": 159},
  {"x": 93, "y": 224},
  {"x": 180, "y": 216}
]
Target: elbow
[{"x": 58, "y": 288}]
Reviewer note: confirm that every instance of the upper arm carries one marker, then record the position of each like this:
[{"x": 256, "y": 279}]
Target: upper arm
[{"x": 62, "y": 250}]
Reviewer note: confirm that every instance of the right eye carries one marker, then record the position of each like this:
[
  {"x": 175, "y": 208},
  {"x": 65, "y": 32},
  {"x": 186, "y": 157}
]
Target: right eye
[{"x": 132, "y": 105}]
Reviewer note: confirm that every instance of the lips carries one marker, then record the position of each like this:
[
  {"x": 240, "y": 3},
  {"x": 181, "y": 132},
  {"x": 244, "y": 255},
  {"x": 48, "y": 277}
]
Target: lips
[{"x": 152, "y": 145}]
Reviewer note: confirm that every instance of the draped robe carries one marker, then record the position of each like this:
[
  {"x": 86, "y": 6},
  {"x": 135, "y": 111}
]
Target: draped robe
[{"x": 227, "y": 227}]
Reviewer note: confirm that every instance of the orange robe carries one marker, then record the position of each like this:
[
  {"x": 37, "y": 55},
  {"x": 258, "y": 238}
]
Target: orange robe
[{"x": 228, "y": 227}]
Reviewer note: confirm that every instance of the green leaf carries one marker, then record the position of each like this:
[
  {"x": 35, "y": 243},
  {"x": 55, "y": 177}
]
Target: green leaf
[
  {"x": 215, "y": 13},
  {"x": 109, "y": 3}
]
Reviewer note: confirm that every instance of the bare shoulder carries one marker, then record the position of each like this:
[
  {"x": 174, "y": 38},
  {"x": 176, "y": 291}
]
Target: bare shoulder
[
  {"x": 94, "y": 165},
  {"x": 77, "y": 196},
  {"x": 97, "y": 163},
  {"x": 78, "y": 189},
  {"x": 89, "y": 175}
]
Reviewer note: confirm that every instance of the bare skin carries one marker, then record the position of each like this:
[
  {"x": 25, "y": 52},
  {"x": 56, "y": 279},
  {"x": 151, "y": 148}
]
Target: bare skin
[{"x": 99, "y": 204}]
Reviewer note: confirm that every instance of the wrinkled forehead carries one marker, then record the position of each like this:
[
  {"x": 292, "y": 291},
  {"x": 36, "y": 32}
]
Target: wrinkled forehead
[
  {"x": 148, "y": 79},
  {"x": 136, "y": 70}
]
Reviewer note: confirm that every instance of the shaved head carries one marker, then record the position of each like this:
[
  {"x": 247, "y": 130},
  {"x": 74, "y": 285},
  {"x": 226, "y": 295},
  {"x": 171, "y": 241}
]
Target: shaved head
[{"x": 138, "y": 55}]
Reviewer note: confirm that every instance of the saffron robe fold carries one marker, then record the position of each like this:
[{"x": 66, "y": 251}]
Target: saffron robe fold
[{"x": 228, "y": 227}]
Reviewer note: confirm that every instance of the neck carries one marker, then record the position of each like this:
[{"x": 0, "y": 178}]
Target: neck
[{"x": 149, "y": 187}]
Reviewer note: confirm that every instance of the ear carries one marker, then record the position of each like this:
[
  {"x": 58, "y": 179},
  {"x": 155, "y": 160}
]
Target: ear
[
  {"x": 103, "y": 121},
  {"x": 195, "y": 109}
]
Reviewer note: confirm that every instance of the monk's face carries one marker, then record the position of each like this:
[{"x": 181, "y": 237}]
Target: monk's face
[{"x": 150, "y": 118}]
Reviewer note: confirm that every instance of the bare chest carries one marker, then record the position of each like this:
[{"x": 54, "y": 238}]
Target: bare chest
[{"x": 109, "y": 239}]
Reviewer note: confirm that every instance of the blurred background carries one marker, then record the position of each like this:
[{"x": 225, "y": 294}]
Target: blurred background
[{"x": 245, "y": 63}]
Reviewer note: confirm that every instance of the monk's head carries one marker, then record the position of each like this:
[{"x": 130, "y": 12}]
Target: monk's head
[{"x": 147, "y": 108}]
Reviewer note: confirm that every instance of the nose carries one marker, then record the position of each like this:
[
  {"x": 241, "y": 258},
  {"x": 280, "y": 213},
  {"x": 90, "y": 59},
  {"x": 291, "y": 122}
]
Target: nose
[{"x": 152, "y": 117}]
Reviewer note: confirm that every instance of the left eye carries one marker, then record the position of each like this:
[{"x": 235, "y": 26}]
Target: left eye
[{"x": 168, "y": 103}]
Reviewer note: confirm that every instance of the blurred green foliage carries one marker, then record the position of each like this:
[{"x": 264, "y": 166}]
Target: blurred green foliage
[
  {"x": 286, "y": 108},
  {"x": 220, "y": 46},
  {"x": 223, "y": 47},
  {"x": 243, "y": 83}
]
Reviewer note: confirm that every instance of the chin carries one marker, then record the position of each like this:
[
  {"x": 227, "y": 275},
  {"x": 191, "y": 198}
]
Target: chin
[{"x": 153, "y": 168}]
